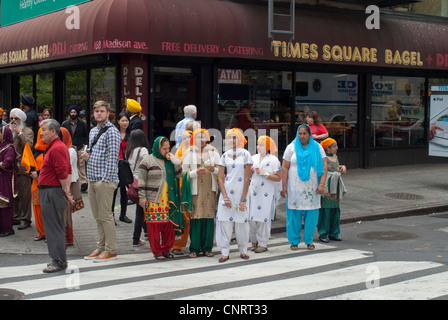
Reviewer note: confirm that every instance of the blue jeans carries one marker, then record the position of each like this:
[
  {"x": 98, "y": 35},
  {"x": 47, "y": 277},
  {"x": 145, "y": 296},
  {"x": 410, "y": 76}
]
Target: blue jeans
[{"x": 294, "y": 225}]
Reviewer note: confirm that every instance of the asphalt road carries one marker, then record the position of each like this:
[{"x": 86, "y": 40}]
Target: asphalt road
[{"x": 402, "y": 258}]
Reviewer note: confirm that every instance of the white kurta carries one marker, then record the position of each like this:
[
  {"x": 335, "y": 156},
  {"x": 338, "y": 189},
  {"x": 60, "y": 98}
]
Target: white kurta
[
  {"x": 263, "y": 193},
  {"x": 301, "y": 194},
  {"x": 234, "y": 184}
]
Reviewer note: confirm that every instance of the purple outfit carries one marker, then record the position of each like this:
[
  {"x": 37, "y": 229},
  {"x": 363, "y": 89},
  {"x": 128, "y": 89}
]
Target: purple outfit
[{"x": 8, "y": 179}]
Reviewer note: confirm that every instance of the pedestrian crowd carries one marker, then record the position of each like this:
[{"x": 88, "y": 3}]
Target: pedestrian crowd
[{"x": 195, "y": 194}]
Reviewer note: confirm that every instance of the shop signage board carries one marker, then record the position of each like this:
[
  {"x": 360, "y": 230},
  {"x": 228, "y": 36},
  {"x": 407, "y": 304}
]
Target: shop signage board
[
  {"x": 438, "y": 123},
  {"x": 13, "y": 11},
  {"x": 190, "y": 29}
]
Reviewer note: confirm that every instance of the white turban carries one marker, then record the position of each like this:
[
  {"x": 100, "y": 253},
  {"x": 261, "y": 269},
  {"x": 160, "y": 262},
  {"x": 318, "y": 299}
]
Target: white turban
[{"x": 16, "y": 112}]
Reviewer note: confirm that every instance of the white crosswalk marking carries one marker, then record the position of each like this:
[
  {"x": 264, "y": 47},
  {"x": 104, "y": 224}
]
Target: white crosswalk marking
[
  {"x": 278, "y": 273},
  {"x": 311, "y": 283},
  {"x": 421, "y": 288}
]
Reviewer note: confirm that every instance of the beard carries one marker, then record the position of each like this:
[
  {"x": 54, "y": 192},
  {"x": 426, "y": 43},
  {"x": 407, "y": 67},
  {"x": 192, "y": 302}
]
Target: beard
[
  {"x": 73, "y": 117},
  {"x": 21, "y": 125}
]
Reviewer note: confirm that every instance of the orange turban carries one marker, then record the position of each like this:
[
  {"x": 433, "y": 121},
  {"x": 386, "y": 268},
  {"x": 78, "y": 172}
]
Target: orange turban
[
  {"x": 269, "y": 143},
  {"x": 327, "y": 142},
  {"x": 197, "y": 131},
  {"x": 236, "y": 132}
]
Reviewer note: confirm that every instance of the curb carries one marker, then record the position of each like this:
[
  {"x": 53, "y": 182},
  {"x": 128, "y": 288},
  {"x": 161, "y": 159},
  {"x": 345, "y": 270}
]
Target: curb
[{"x": 421, "y": 211}]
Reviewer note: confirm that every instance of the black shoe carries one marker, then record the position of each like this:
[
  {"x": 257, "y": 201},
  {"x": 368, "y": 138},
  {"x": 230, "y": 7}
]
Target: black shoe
[
  {"x": 335, "y": 238},
  {"x": 84, "y": 187},
  {"x": 125, "y": 219},
  {"x": 10, "y": 233},
  {"x": 325, "y": 240}
]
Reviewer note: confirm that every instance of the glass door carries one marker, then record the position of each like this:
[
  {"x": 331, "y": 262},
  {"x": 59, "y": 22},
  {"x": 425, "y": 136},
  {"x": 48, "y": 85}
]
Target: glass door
[{"x": 174, "y": 89}]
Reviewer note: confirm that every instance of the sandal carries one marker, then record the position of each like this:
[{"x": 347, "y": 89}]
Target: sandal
[
  {"x": 160, "y": 257},
  {"x": 178, "y": 252},
  {"x": 223, "y": 259},
  {"x": 260, "y": 250},
  {"x": 168, "y": 255},
  {"x": 39, "y": 238},
  {"x": 209, "y": 254},
  {"x": 254, "y": 246},
  {"x": 310, "y": 246},
  {"x": 244, "y": 256},
  {"x": 294, "y": 247},
  {"x": 193, "y": 255}
]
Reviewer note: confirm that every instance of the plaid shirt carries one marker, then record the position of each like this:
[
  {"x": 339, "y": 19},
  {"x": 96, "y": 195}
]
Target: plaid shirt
[{"x": 103, "y": 161}]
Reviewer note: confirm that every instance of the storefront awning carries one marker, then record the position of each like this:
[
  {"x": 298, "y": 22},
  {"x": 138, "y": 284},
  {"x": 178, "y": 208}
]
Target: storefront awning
[{"x": 215, "y": 28}]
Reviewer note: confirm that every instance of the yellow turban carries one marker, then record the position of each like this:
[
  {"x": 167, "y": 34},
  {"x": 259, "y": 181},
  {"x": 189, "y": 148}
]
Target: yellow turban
[
  {"x": 269, "y": 143},
  {"x": 327, "y": 142},
  {"x": 133, "y": 106},
  {"x": 236, "y": 132}
]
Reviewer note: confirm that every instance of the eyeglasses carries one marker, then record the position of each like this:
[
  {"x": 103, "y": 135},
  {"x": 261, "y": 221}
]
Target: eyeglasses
[{"x": 15, "y": 118}]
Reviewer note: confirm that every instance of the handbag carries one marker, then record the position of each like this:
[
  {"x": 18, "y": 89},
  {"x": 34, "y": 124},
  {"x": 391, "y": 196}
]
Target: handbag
[
  {"x": 124, "y": 171},
  {"x": 132, "y": 191}
]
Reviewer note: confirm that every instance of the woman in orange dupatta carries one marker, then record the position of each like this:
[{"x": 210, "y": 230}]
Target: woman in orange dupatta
[{"x": 35, "y": 200}]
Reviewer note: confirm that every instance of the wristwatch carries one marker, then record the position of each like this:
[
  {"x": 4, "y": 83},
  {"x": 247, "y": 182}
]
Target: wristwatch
[{"x": 243, "y": 200}]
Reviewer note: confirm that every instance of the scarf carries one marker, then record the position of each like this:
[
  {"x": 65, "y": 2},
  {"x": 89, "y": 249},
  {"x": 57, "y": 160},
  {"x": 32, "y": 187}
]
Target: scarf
[
  {"x": 174, "y": 214},
  {"x": 307, "y": 157}
]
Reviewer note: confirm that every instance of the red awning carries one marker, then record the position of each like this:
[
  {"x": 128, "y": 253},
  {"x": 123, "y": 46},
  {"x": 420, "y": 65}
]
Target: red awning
[{"x": 215, "y": 28}]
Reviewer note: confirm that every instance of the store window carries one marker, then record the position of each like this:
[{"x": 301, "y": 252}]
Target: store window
[
  {"x": 335, "y": 98},
  {"x": 103, "y": 87},
  {"x": 255, "y": 99},
  {"x": 398, "y": 111},
  {"x": 40, "y": 86},
  {"x": 26, "y": 84},
  {"x": 76, "y": 91}
]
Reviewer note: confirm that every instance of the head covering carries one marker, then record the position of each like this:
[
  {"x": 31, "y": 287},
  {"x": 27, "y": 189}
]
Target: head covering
[
  {"x": 241, "y": 139},
  {"x": 269, "y": 143},
  {"x": 66, "y": 138},
  {"x": 16, "y": 112},
  {"x": 40, "y": 145},
  {"x": 196, "y": 132},
  {"x": 175, "y": 216},
  {"x": 8, "y": 137},
  {"x": 183, "y": 146},
  {"x": 327, "y": 142},
  {"x": 73, "y": 108},
  {"x": 7, "y": 144},
  {"x": 308, "y": 156},
  {"x": 27, "y": 100},
  {"x": 1, "y": 111},
  {"x": 133, "y": 106}
]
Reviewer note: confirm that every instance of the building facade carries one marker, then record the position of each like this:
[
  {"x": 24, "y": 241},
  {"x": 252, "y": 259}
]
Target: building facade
[{"x": 369, "y": 86}]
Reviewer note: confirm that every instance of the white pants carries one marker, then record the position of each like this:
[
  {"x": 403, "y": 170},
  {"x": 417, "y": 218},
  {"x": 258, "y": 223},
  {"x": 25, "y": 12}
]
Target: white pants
[
  {"x": 224, "y": 230},
  {"x": 260, "y": 232}
]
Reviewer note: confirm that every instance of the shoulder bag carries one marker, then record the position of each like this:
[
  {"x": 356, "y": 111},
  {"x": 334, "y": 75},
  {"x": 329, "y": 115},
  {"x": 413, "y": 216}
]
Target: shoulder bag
[{"x": 132, "y": 192}]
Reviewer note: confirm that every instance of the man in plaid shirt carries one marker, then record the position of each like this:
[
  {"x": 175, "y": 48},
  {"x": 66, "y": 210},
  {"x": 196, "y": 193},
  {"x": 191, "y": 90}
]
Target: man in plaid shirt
[{"x": 102, "y": 174}]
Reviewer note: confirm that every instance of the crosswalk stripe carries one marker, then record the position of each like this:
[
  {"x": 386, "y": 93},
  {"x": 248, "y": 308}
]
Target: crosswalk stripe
[
  {"x": 30, "y": 270},
  {"x": 314, "y": 283},
  {"x": 413, "y": 289},
  {"x": 215, "y": 274}
]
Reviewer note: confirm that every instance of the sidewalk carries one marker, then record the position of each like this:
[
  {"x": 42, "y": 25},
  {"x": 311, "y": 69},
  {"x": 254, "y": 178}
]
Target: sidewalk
[{"x": 376, "y": 193}]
